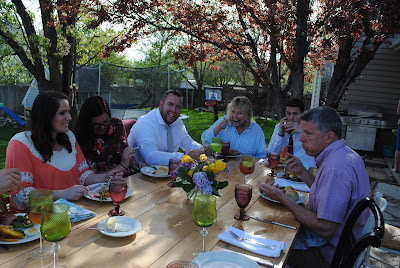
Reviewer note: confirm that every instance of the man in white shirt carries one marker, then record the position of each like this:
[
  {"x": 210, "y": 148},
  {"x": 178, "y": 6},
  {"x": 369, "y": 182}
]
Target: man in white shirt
[
  {"x": 288, "y": 126},
  {"x": 160, "y": 133}
]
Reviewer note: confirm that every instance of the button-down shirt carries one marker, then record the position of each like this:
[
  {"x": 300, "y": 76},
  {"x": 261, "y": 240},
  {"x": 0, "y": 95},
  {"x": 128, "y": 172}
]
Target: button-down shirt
[
  {"x": 277, "y": 143},
  {"x": 341, "y": 182},
  {"x": 150, "y": 132},
  {"x": 250, "y": 142}
]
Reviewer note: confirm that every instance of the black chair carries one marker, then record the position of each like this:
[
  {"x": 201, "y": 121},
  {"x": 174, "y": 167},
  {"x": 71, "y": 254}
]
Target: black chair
[{"x": 348, "y": 249}]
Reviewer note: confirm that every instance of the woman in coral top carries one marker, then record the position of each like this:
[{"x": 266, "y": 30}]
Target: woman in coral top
[{"x": 48, "y": 154}]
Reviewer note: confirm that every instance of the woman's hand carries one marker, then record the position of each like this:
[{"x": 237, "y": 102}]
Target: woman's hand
[
  {"x": 222, "y": 125},
  {"x": 126, "y": 156},
  {"x": 137, "y": 165},
  {"x": 114, "y": 174},
  {"x": 74, "y": 192},
  {"x": 10, "y": 180}
]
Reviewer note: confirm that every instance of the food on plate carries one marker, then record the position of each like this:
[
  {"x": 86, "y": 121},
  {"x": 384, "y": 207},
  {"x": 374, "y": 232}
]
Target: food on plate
[
  {"x": 100, "y": 191},
  {"x": 7, "y": 218},
  {"x": 21, "y": 222},
  {"x": 162, "y": 171},
  {"x": 8, "y": 234},
  {"x": 31, "y": 231},
  {"x": 291, "y": 193},
  {"x": 291, "y": 176},
  {"x": 233, "y": 153},
  {"x": 111, "y": 224}
]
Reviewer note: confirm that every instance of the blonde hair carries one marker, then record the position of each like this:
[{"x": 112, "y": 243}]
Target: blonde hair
[{"x": 242, "y": 103}]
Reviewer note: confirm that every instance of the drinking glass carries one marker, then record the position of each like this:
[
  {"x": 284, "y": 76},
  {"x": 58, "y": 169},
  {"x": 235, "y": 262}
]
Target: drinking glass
[
  {"x": 243, "y": 193},
  {"x": 226, "y": 146},
  {"x": 182, "y": 264},
  {"x": 55, "y": 226},
  {"x": 216, "y": 145},
  {"x": 38, "y": 199},
  {"x": 204, "y": 214},
  {"x": 247, "y": 165},
  {"x": 117, "y": 188},
  {"x": 273, "y": 160},
  {"x": 173, "y": 164}
]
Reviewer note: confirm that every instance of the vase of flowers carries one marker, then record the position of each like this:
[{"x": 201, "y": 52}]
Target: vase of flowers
[{"x": 199, "y": 177}]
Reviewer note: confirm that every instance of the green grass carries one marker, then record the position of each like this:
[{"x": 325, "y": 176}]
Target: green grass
[{"x": 198, "y": 123}]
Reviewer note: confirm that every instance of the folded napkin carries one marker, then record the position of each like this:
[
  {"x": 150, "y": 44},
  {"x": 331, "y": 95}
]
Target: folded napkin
[
  {"x": 75, "y": 212},
  {"x": 228, "y": 238},
  {"x": 297, "y": 186}
]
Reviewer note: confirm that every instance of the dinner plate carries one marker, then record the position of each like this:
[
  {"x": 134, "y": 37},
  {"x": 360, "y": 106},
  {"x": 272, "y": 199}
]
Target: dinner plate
[
  {"x": 302, "y": 198},
  {"x": 223, "y": 259},
  {"x": 26, "y": 239},
  {"x": 148, "y": 170},
  {"x": 122, "y": 223},
  {"x": 108, "y": 199},
  {"x": 280, "y": 176}
]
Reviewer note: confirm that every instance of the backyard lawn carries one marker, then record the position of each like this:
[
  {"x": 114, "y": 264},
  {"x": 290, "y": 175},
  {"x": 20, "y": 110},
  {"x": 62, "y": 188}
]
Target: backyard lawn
[{"x": 198, "y": 122}]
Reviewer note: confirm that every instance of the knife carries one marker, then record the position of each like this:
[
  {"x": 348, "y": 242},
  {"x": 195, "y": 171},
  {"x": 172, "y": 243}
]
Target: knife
[
  {"x": 273, "y": 222},
  {"x": 254, "y": 258}
]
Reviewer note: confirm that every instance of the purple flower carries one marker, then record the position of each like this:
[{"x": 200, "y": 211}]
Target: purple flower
[{"x": 202, "y": 182}]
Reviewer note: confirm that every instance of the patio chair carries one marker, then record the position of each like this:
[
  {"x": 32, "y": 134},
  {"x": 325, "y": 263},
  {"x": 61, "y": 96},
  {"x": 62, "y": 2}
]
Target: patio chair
[{"x": 348, "y": 248}]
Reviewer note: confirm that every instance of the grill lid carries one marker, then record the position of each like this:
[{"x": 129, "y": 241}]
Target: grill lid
[{"x": 365, "y": 110}]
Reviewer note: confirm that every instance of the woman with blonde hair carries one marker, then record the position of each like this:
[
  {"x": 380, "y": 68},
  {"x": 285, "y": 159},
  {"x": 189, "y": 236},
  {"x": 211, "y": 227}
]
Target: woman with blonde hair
[{"x": 238, "y": 128}]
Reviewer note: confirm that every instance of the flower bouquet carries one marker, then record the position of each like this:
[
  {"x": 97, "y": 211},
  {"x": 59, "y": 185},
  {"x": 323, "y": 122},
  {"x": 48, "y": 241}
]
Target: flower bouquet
[{"x": 200, "y": 175}]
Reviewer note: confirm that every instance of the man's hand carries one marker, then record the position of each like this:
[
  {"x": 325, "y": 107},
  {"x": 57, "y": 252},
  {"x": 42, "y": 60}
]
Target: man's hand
[
  {"x": 195, "y": 154},
  {"x": 10, "y": 180},
  {"x": 292, "y": 127},
  {"x": 282, "y": 126},
  {"x": 207, "y": 150},
  {"x": 271, "y": 191}
]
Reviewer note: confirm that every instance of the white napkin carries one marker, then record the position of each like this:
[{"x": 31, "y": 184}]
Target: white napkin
[
  {"x": 228, "y": 238},
  {"x": 297, "y": 186}
]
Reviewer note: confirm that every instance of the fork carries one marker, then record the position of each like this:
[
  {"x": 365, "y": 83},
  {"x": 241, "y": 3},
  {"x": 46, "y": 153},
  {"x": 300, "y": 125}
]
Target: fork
[{"x": 249, "y": 241}]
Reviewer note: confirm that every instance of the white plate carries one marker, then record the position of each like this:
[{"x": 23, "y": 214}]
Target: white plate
[
  {"x": 26, "y": 238},
  {"x": 232, "y": 156},
  {"x": 224, "y": 259},
  {"x": 302, "y": 198},
  {"x": 280, "y": 175},
  {"x": 108, "y": 199},
  {"x": 148, "y": 170},
  {"x": 122, "y": 223}
]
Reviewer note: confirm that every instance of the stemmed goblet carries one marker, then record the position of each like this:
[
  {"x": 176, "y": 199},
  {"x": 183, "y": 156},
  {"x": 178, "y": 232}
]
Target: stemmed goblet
[
  {"x": 243, "y": 194},
  {"x": 204, "y": 214},
  {"x": 247, "y": 165},
  {"x": 216, "y": 145},
  {"x": 273, "y": 160},
  {"x": 226, "y": 146},
  {"x": 117, "y": 188},
  {"x": 55, "y": 226},
  {"x": 38, "y": 199}
]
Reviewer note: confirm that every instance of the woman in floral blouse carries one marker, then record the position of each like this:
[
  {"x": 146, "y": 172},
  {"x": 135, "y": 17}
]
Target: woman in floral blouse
[{"x": 103, "y": 138}]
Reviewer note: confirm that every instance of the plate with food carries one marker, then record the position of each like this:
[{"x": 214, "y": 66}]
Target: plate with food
[
  {"x": 155, "y": 171},
  {"x": 129, "y": 226},
  {"x": 20, "y": 231},
  {"x": 296, "y": 196},
  {"x": 99, "y": 192},
  {"x": 290, "y": 176}
]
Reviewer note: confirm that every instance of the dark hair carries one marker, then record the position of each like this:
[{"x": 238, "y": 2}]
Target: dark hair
[
  {"x": 172, "y": 91},
  {"x": 325, "y": 119},
  {"x": 44, "y": 109},
  {"x": 92, "y": 107},
  {"x": 296, "y": 103},
  {"x": 244, "y": 104}
]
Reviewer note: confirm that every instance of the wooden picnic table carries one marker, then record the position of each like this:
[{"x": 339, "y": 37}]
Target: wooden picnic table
[{"x": 167, "y": 231}]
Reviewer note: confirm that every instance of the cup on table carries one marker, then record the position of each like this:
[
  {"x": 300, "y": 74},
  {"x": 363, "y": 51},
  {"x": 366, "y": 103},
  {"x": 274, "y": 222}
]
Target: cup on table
[
  {"x": 173, "y": 164},
  {"x": 182, "y": 264}
]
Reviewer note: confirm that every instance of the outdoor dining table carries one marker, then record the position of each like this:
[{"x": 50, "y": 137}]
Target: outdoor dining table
[{"x": 167, "y": 231}]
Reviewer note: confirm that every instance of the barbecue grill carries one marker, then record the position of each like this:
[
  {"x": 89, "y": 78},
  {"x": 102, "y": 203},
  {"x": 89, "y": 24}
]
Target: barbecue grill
[{"x": 362, "y": 122}]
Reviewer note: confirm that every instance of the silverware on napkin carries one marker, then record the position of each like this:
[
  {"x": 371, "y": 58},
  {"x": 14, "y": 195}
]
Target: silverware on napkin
[
  {"x": 109, "y": 230},
  {"x": 249, "y": 241},
  {"x": 273, "y": 222}
]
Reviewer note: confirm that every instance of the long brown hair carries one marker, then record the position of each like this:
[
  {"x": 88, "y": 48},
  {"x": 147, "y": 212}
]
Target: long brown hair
[{"x": 44, "y": 109}]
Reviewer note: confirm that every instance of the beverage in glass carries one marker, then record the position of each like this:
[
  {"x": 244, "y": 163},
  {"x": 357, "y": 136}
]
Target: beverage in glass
[
  {"x": 173, "y": 164},
  {"x": 273, "y": 160},
  {"x": 226, "y": 146},
  {"x": 38, "y": 199},
  {"x": 216, "y": 145},
  {"x": 55, "y": 226},
  {"x": 204, "y": 214},
  {"x": 247, "y": 165},
  {"x": 117, "y": 188},
  {"x": 243, "y": 194}
]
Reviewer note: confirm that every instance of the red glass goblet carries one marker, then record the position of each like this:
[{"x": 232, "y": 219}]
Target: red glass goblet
[
  {"x": 243, "y": 194},
  {"x": 226, "y": 146},
  {"x": 117, "y": 188},
  {"x": 273, "y": 160}
]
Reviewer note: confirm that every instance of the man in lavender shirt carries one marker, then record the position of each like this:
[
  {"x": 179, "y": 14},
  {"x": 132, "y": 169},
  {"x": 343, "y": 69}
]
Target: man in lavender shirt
[{"x": 341, "y": 182}]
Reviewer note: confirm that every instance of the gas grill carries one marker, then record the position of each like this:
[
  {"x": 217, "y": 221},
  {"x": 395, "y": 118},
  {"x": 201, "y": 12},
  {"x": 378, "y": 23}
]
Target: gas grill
[{"x": 362, "y": 122}]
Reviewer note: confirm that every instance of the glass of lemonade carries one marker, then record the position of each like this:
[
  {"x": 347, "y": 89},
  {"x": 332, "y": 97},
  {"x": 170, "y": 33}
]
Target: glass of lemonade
[{"x": 216, "y": 145}]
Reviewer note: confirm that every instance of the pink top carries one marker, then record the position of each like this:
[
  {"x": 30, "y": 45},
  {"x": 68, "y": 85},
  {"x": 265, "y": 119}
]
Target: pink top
[{"x": 61, "y": 172}]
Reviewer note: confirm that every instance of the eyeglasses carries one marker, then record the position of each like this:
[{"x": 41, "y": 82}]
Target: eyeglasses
[{"x": 104, "y": 123}]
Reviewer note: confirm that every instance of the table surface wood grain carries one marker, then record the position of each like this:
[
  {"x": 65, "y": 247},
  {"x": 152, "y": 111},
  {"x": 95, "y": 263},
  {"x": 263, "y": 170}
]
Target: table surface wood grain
[{"x": 168, "y": 232}]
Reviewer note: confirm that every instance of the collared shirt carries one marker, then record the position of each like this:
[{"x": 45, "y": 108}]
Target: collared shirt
[
  {"x": 150, "y": 132},
  {"x": 250, "y": 142},
  {"x": 277, "y": 143},
  {"x": 341, "y": 182}
]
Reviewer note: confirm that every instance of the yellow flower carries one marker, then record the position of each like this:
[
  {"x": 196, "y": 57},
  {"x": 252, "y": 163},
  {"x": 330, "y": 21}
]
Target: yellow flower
[
  {"x": 211, "y": 166},
  {"x": 205, "y": 168},
  {"x": 187, "y": 159},
  {"x": 190, "y": 173},
  {"x": 221, "y": 165},
  {"x": 215, "y": 170},
  {"x": 203, "y": 157}
]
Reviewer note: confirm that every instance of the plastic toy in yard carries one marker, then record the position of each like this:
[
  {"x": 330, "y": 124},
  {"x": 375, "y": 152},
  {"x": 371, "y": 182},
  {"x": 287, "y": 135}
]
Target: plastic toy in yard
[{"x": 12, "y": 115}]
